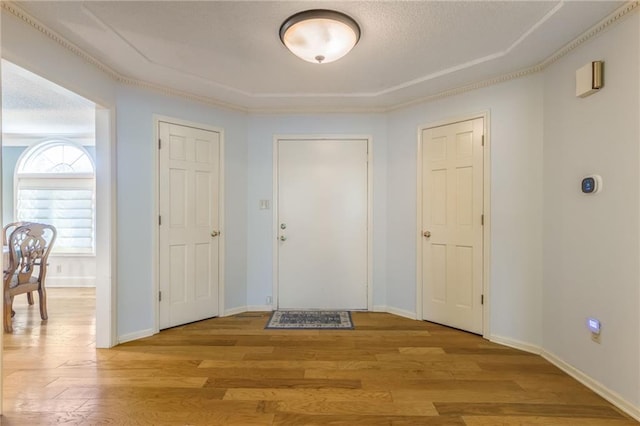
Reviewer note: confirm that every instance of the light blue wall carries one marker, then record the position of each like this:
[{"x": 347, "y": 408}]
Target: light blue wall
[
  {"x": 592, "y": 243},
  {"x": 136, "y": 193},
  {"x": 515, "y": 140},
  {"x": 262, "y": 129}
]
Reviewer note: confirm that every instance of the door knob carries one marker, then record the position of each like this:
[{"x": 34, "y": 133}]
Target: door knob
[
  {"x": 215, "y": 233},
  {"x": 283, "y": 238},
  {"x": 426, "y": 234}
]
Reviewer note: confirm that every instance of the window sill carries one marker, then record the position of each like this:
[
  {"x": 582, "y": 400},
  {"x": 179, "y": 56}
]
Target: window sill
[{"x": 54, "y": 254}]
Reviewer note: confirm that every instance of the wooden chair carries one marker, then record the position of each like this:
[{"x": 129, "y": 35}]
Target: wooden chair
[
  {"x": 29, "y": 248},
  {"x": 7, "y": 230}
]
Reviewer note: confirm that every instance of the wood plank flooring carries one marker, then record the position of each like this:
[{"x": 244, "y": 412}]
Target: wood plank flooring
[{"x": 231, "y": 371}]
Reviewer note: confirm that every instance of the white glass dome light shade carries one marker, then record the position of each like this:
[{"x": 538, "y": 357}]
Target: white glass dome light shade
[{"x": 320, "y": 36}]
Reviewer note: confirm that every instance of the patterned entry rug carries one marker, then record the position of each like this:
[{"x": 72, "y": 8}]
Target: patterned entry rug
[{"x": 311, "y": 320}]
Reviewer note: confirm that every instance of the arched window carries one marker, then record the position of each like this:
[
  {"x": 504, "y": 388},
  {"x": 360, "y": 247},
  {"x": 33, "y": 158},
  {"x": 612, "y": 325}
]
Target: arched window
[{"x": 55, "y": 184}]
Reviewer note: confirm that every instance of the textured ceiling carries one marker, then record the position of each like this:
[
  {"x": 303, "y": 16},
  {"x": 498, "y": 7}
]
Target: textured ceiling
[
  {"x": 229, "y": 51},
  {"x": 32, "y": 105}
]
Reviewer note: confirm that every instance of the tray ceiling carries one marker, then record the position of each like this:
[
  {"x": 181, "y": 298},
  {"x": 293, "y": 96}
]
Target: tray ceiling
[{"x": 229, "y": 51}]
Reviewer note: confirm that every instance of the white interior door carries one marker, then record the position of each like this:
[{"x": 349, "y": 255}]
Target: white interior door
[
  {"x": 322, "y": 224},
  {"x": 452, "y": 208},
  {"x": 189, "y": 209}
]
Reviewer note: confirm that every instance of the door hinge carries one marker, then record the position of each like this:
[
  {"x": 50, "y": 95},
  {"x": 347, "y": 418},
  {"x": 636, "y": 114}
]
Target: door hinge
[
  {"x": 482, "y": 140},
  {"x": 159, "y": 296},
  {"x": 159, "y": 220},
  {"x": 160, "y": 143},
  {"x": 482, "y": 299},
  {"x": 482, "y": 220}
]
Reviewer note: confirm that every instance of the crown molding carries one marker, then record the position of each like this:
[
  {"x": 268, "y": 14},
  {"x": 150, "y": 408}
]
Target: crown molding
[
  {"x": 181, "y": 94},
  {"x": 592, "y": 32},
  {"x": 300, "y": 110},
  {"x": 587, "y": 35},
  {"x": 110, "y": 72},
  {"x": 613, "y": 18},
  {"x": 40, "y": 27},
  {"x": 468, "y": 88},
  {"x": 105, "y": 25}
]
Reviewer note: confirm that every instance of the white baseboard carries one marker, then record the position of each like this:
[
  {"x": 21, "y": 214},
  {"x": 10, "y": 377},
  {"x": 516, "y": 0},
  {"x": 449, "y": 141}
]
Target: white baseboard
[
  {"x": 611, "y": 396},
  {"x": 53, "y": 281},
  {"x": 234, "y": 311},
  {"x": 135, "y": 336},
  {"x": 592, "y": 384},
  {"x": 249, "y": 308},
  {"x": 394, "y": 311},
  {"x": 516, "y": 344},
  {"x": 260, "y": 308}
]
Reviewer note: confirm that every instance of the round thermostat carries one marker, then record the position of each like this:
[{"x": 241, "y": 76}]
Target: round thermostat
[{"x": 591, "y": 184}]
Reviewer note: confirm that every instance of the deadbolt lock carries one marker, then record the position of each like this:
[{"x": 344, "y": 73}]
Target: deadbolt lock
[{"x": 426, "y": 234}]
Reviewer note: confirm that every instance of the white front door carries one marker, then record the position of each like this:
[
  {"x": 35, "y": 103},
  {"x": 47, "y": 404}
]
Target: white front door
[
  {"x": 189, "y": 214},
  {"x": 452, "y": 208},
  {"x": 322, "y": 224}
]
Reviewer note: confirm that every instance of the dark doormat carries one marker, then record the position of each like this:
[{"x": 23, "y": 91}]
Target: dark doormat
[{"x": 310, "y": 320}]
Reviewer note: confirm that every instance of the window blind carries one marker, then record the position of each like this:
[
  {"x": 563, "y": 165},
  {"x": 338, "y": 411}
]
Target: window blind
[{"x": 66, "y": 204}]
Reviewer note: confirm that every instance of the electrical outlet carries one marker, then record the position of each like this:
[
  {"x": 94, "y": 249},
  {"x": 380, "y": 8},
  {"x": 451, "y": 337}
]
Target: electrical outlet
[
  {"x": 58, "y": 268},
  {"x": 269, "y": 300}
]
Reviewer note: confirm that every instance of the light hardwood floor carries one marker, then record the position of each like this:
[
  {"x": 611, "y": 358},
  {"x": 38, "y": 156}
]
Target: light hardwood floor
[{"x": 230, "y": 371}]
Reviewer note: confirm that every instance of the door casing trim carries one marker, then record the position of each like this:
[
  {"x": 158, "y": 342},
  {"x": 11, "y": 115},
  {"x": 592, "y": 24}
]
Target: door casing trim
[
  {"x": 486, "y": 230},
  {"x": 274, "y": 235},
  {"x": 155, "y": 244},
  {"x": 106, "y": 229}
]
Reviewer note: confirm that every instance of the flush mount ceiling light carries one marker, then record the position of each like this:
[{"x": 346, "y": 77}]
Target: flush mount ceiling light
[{"x": 319, "y": 36}]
